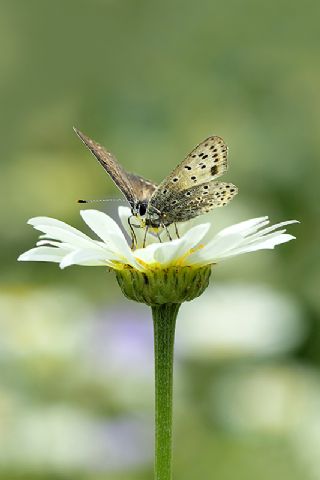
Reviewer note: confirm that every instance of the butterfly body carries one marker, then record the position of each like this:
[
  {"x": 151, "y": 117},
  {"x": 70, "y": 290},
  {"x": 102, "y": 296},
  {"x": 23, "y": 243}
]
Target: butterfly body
[{"x": 189, "y": 191}]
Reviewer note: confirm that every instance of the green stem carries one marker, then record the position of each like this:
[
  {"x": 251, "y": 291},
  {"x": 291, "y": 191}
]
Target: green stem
[{"x": 164, "y": 322}]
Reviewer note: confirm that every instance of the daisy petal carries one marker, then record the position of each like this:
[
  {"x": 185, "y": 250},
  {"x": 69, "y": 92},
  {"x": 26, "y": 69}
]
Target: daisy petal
[
  {"x": 170, "y": 252},
  {"x": 180, "y": 248},
  {"x": 245, "y": 228},
  {"x": 43, "y": 254},
  {"x": 86, "y": 257},
  {"x": 272, "y": 228},
  {"x": 214, "y": 249},
  {"x": 65, "y": 235},
  {"x": 106, "y": 228},
  {"x": 58, "y": 230},
  {"x": 124, "y": 214},
  {"x": 261, "y": 244},
  {"x": 53, "y": 222}
]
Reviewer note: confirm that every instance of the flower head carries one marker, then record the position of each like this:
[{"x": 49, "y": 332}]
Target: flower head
[
  {"x": 197, "y": 246},
  {"x": 165, "y": 270}
]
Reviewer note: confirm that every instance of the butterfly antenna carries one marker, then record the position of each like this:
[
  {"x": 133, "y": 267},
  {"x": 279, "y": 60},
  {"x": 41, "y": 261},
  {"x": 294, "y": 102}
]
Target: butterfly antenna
[{"x": 100, "y": 200}]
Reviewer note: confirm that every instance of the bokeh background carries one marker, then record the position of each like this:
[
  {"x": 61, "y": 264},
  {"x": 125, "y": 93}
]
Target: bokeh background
[{"x": 150, "y": 80}]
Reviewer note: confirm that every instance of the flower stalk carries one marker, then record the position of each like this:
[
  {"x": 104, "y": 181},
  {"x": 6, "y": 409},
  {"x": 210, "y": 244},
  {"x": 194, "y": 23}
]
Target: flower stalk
[{"x": 164, "y": 322}]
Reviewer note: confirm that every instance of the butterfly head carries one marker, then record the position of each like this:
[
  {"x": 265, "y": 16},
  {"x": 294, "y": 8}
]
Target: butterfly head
[{"x": 139, "y": 208}]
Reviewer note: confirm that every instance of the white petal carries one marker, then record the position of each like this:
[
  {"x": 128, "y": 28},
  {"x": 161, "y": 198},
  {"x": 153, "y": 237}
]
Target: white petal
[
  {"x": 245, "y": 228},
  {"x": 86, "y": 257},
  {"x": 43, "y": 254},
  {"x": 214, "y": 249},
  {"x": 170, "y": 252},
  {"x": 65, "y": 235},
  {"x": 104, "y": 226},
  {"x": 52, "y": 222},
  {"x": 174, "y": 250},
  {"x": 146, "y": 254},
  {"x": 272, "y": 228},
  {"x": 124, "y": 214},
  {"x": 235, "y": 241},
  {"x": 107, "y": 229},
  {"x": 260, "y": 244}
]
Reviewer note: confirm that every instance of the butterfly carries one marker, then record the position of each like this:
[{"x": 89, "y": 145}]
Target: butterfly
[{"x": 189, "y": 191}]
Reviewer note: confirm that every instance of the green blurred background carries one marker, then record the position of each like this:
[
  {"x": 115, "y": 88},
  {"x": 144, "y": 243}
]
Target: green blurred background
[{"x": 150, "y": 80}]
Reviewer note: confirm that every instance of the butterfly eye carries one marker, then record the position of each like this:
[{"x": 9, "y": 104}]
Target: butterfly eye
[{"x": 142, "y": 209}]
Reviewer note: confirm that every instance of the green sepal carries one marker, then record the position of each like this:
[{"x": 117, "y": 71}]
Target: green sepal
[{"x": 165, "y": 285}]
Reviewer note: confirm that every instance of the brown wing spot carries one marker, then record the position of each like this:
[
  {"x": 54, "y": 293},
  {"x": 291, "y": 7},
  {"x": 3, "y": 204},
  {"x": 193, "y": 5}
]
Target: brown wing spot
[
  {"x": 193, "y": 177},
  {"x": 175, "y": 179},
  {"x": 174, "y": 202},
  {"x": 214, "y": 170},
  {"x": 187, "y": 167},
  {"x": 204, "y": 156},
  {"x": 164, "y": 191},
  {"x": 188, "y": 194},
  {"x": 232, "y": 190},
  {"x": 200, "y": 154},
  {"x": 206, "y": 187}
]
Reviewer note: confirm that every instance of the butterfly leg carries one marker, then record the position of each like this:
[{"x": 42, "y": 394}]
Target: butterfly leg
[
  {"x": 134, "y": 241},
  {"x": 145, "y": 236},
  {"x": 159, "y": 237},
  {"x": 168, "y": 233},
  {"x": 176, "y": 229}
]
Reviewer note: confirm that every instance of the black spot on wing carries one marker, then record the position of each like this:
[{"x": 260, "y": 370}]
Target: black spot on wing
[{"x": 214, "y": 170}]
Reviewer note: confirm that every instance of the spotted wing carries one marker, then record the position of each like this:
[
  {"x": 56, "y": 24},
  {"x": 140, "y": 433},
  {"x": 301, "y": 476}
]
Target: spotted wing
[
  {"x": 121, "y": 178},
  {"x": 205, "y": 163},
  {"x": 195, "y": 201}
]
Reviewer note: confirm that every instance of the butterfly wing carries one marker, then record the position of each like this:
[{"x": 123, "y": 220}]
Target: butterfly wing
[
  {"x": 176, "y": 196},
  {"x": 195, "y": 201},
  {"x": 142, "y": 187},
  {"x": 121, "y": 178},
  {"x": 205, "y": 163}
]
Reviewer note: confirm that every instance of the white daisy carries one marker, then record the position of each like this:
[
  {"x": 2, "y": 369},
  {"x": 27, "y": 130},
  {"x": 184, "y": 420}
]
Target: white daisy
[{"x": 198, "y": 245}]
